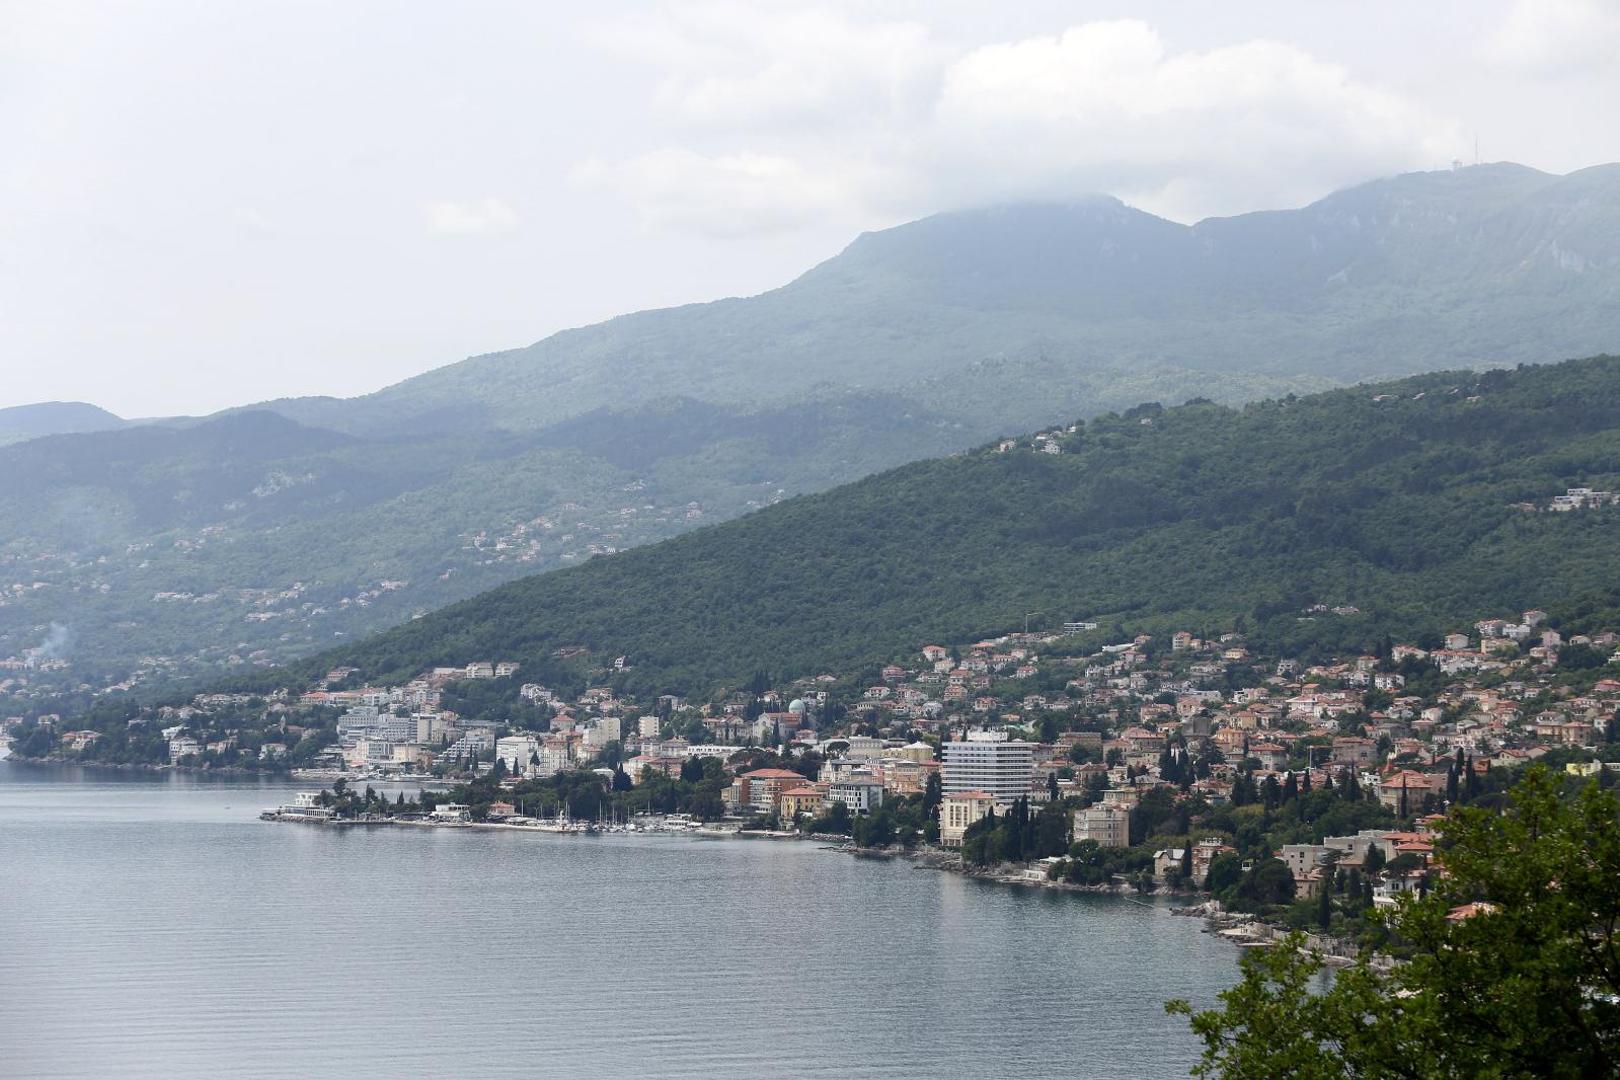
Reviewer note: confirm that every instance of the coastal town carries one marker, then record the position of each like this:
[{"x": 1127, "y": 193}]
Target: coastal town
[{"x": 1146, "y": 763}]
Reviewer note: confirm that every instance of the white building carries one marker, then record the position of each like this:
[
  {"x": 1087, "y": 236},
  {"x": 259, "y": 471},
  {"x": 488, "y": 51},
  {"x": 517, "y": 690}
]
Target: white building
[
  {"x": 517, "y": 751},
  {"x": 183, "y": 746},
  {"x": 862, "y": 794},
  {"x": 989, "y": 762}
]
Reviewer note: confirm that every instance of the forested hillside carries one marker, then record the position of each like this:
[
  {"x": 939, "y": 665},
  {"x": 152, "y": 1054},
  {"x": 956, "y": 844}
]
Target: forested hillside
[{"x": 1417, "y": 503}]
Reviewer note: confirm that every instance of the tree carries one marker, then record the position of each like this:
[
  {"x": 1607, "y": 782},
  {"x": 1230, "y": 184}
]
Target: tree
[
  {"x": 1225, "y": 871},
  {"x": 1512, "y": 963},
  {"x": 933, "y": 795},
  {"x": 1373, "y": 862},
  {"x": 1268, "y": 882}
]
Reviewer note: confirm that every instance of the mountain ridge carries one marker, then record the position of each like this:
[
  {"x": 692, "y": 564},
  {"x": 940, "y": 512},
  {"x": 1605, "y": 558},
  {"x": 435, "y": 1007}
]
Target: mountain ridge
[
  {"x": 30, "y": 421},
  {"x": 916, "y": 341}
]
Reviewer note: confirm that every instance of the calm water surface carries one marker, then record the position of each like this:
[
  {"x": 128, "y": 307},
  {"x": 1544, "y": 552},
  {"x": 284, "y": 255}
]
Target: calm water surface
[{"x": 153, "y": 927}]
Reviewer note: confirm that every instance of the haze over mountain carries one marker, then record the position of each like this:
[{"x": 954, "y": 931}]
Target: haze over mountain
[
  {"x": 263, "y": 533},
  {"x": 1483, "y": 265}
]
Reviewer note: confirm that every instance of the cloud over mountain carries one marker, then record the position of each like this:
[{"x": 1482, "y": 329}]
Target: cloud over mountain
[{"x": 777, "y": 119}]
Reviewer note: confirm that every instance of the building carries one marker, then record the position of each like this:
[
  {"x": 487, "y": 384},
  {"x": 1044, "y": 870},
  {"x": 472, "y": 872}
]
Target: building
[
  {"x": 1109, "y": 826},
  {"x": 1167, "y": 863},
  {"x": 757, "y": 791},
  {"x": 989, "y": 762},
  {"x": 517, "y": 751},
  {"x": 862, "y": 794},
  {"x": 919, "y": 752},
  {"x": 960, "y": 809},
  {"x": 1405, "y": 792},
  {"x": 864, "y": 748},
  {"x": 1205, "y": 852},
  {"x": 802, "y": 801},
  {"x": 605, "y": 730},
  {"x": 182, "y": 746},
  {"x": 1302, "y": 858}
]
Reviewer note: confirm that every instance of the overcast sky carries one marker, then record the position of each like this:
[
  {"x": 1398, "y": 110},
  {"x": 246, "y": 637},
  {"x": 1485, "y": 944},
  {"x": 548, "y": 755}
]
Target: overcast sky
[{"x": 205, "y": 204}]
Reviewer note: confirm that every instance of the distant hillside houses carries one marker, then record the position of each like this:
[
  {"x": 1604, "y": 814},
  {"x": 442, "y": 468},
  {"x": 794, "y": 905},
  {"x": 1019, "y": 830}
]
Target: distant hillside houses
[{"x": 1575, "y": 498}]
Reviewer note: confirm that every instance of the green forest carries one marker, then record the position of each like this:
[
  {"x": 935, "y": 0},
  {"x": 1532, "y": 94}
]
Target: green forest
[{"x": 1400, "y": 500}]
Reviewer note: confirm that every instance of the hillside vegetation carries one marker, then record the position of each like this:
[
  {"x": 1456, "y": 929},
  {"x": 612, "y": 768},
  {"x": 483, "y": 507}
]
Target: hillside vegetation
[{"x": 1395, "y": 499}]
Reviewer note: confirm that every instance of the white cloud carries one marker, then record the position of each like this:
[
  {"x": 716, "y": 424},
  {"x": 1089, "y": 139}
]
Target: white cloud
[
  {"x": 747, "y": 67},
  {"x": 1556, "y": 38},
  {"x": 724, "y": 194},
  {"x": 480, "y": 217},
  {"x": 783, "y": 117}
]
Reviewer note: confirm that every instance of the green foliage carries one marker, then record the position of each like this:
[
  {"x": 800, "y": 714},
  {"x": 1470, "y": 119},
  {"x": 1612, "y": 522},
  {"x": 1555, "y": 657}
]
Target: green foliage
[
  {"x": 1401, "y": 506},
  {"x": 1527, "y": 984}
]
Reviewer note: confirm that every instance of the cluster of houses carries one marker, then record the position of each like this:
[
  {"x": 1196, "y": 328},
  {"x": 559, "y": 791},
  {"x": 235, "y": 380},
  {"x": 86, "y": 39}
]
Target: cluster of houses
[
  {"x": 1024, "y": 716},
  {"x": 1575, "y": 498}
]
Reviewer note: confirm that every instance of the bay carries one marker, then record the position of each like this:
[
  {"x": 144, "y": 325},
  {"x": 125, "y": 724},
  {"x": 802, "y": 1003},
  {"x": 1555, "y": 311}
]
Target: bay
[{"x": 151, "y": 926}]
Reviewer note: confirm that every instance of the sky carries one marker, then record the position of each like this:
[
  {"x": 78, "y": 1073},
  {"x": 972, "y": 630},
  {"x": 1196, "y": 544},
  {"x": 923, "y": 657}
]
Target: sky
[{"x": 205, "y": 205}]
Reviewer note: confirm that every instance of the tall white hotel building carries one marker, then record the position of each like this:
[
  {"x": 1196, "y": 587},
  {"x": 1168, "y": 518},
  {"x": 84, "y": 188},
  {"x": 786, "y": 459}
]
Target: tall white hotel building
[{"x": 989, "y": 762}]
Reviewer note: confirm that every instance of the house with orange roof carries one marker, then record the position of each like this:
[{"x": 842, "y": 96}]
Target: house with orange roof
[
  {"x": 1404, "y": 791},
  {"x": 804, "y": 800}
]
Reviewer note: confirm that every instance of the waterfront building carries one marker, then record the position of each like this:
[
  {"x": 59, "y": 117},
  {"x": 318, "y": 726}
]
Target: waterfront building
[
  {"x": 862, "y": 794},
  {"x": 802, "y": 801},
  {"x": 990, "y": 762},
  {"x": 758, "y": 790},
  {"x": 958, "y": 810},
  {"x": 1109, "y": 826}
]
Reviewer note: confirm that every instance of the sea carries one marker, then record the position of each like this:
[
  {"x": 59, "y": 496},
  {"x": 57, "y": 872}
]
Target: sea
[{"x": 152, "y": 926}]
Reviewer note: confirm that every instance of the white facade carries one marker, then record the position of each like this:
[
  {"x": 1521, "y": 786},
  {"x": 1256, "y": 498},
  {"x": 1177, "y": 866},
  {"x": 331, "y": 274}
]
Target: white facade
[
  {"x": 1000, "y": 767},
  {"x": 516, "y": 750},
  {"x": 958, "y": 811},
  {"x": 861, "y": 794}
]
